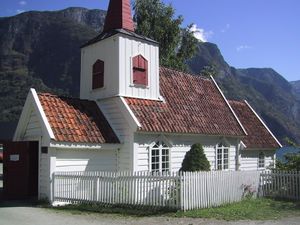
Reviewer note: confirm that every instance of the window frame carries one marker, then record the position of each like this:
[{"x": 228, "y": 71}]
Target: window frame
[
  {"x": 162, "y": 158},
  {"x": 261, "y": 164},
  {"x": 145, "y": 69},
  {"x": 222, "y": 149},
  {"x": 98, "y": 75}
]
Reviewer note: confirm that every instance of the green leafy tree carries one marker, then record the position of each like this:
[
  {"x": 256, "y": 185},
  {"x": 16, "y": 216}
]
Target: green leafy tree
[
  {"x": 195, "y": 160},
  {"x": 156, "y": 20},
  {"x": 292, "y": 162}
]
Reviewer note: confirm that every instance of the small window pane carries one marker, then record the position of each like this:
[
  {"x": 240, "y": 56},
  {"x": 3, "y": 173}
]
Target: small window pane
[
  {"x": 261, "y": 160},
  {"x": 160, "y": 157}
]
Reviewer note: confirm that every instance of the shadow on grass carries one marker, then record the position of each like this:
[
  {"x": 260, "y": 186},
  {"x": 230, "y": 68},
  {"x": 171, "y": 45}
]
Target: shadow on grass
[
  {"x": 284, "y": 205},
  {"x": 137, "y": 211}
]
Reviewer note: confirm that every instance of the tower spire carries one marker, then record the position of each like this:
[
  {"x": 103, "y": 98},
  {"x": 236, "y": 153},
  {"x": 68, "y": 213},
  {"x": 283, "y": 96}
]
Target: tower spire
[{"x": 118, "y": 16}]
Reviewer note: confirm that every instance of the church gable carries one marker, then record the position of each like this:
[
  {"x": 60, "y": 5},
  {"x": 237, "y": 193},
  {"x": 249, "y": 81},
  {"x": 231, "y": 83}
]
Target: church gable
[{"x": 33, "y": 123}]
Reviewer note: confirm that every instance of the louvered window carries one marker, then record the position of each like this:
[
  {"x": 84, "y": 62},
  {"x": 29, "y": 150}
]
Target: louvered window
[
  {"x": 98, "y": 74},
  {"x": 140, "y": 70}
]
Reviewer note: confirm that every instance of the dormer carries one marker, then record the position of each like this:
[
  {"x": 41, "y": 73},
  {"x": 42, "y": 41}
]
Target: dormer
[{"x": 119, "y": 62}]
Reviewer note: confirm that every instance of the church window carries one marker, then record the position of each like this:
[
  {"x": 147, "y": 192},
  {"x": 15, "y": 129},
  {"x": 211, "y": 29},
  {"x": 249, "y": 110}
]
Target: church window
[{"x": 98, "y": 74}]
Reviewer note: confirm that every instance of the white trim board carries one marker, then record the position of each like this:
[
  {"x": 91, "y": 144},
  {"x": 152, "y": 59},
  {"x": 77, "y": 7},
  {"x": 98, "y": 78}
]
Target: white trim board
[
  {"x": 79, "y": 146},
  {"x": 239, "y": 122}
]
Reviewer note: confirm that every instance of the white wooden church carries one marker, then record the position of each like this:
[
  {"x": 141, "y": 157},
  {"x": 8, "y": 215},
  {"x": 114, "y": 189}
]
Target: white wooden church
[{"x": 133, "y": 115}]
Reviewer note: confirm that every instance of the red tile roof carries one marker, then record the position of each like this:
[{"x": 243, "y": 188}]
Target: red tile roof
[
  {"x": 258, "y": 135},
  {"x": 75, "y": 120},
  {"x": 192, "y": 105},
  {"x": 118, "y": 16}
]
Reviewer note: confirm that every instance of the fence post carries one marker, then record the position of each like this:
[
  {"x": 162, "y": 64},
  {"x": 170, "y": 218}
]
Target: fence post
[{"x": 52, "y": 194}]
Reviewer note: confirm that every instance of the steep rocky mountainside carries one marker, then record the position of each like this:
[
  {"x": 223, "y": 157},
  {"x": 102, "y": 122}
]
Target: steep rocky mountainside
[
  {"x": 296, "y": 88},
  {"x": 42, "y": 50}
]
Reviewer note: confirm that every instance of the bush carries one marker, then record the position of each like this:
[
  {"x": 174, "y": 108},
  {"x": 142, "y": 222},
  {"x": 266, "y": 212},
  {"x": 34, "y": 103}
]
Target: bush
[{"x": 195, "y": 160}]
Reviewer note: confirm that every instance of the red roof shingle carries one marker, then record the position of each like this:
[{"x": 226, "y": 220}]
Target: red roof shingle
[
  {"x": 192, "y": 105},
  {"x": 76, "y": 120},
  {"x": 258, "y": 135}
]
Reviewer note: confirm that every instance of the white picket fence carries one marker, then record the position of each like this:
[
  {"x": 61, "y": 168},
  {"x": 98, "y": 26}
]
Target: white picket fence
[
  {"x": 121, "y": 188},
  {"x": 185, "y": 191},
  {"x": 281, "y": 184},
  {"x": 210, "y": 189}
]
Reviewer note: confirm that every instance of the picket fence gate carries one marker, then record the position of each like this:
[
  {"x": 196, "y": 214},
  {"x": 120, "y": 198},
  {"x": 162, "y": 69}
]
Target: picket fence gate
[{"x": 185, "y": 191}]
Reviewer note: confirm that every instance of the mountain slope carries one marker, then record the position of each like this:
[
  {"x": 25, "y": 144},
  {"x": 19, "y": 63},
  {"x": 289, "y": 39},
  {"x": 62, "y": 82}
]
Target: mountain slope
[
  {"x": 42, "y": 50},
  {"x": 296, "y": 88}
]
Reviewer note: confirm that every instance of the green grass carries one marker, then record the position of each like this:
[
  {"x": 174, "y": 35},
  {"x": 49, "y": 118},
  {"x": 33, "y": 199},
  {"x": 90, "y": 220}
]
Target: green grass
[
  {"x": 250, "y": 209},
  {"x": 135, "y": 211}
]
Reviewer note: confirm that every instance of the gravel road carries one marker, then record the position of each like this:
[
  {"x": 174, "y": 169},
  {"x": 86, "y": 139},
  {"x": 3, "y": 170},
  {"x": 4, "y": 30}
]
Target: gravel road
[{"x": 28, "y": 215}]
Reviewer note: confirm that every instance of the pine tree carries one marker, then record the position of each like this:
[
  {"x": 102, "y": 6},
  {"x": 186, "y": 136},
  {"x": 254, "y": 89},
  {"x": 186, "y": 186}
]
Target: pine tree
[{"x": 195, "y": 160}]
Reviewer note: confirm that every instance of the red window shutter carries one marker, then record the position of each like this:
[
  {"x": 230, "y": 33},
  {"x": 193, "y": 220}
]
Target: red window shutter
[
  {"x": 140, "y": 70},
  {"x": 98, "y": 74}
]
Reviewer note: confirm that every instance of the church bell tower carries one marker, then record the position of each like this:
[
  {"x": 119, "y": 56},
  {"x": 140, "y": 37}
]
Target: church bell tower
[{"x": 119, "y": 62}]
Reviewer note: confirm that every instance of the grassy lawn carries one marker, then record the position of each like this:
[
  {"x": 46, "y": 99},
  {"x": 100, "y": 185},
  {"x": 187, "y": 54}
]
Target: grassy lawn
[{"x": 254, "y": 209}]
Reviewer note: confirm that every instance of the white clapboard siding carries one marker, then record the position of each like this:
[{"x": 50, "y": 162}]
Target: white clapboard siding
[
  {"x": 281, "y": 184},
  {"x": 179, "y": 146},
  {"x": 249, "y": 159},
  {"x": 86, "y": 160},
  {"x": 110, "y": 108}
]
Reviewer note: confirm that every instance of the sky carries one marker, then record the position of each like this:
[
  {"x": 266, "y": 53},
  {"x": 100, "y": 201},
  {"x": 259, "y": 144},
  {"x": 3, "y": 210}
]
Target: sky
[{"x": 249, "y": 33}]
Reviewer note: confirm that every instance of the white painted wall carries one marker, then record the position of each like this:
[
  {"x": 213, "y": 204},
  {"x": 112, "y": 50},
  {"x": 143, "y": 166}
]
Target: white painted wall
[
  {"x": 180, "y": 144},
  {"x": 107, "y": 51},
  {"x": 113, "y": 109},
  {"x": 130, "y": 47},
  {"x": 249, "y": 159},
  {"x": 117, "y": 52},
  {"x": 85, "y": 160}
]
